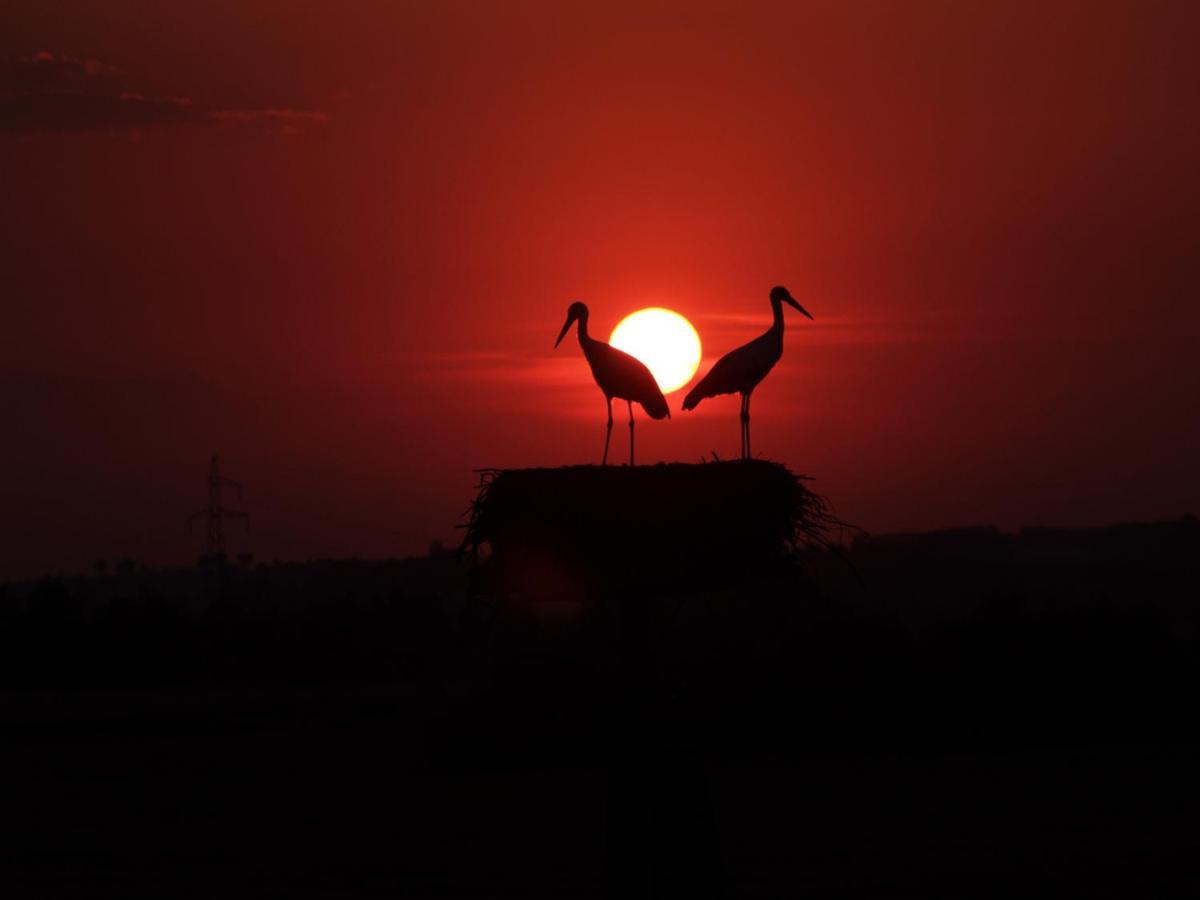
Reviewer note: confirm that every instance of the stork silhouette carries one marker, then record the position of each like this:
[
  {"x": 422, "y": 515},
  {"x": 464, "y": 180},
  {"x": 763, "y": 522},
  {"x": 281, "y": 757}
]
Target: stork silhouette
[
  {"x": 739, "y": 371},
  {"x": 618, "y": 374}
]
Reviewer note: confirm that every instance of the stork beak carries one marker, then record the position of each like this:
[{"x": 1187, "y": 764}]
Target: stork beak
[
  {"x": 792, "y": 302},
  {"x": 566, "y": 327}
]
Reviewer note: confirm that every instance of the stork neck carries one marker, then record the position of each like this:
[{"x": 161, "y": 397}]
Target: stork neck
[
  {"x": 777, "y": 312},
  {"x": 583, "y": 332}
]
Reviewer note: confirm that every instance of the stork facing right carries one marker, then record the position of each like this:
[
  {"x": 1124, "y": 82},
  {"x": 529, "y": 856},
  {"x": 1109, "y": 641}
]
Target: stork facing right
[{"x": 740, "y": 370}]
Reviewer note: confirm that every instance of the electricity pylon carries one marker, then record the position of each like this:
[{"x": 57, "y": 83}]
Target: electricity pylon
[{"x": 216, "y": 512}]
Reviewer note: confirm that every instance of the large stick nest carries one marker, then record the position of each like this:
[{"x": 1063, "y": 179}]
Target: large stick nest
[{"x": 577, "y": 530}]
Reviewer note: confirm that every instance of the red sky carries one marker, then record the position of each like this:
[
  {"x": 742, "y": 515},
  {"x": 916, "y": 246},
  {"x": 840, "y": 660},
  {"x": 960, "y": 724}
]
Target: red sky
[{"x": 335, "y": 243}]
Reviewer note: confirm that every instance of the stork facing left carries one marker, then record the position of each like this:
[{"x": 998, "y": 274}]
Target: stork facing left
[{"x": 618, "y": 375}]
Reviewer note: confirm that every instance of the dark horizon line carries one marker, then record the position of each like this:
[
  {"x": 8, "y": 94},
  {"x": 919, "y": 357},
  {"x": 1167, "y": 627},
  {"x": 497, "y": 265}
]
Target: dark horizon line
[{"x": 439, "y": 550}]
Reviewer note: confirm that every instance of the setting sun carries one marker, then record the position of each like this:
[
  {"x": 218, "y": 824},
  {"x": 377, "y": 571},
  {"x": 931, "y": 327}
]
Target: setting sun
[{"x": 664, "y": 340}]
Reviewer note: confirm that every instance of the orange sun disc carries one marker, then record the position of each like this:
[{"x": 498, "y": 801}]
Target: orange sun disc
[{"x": 662, "y": 339}]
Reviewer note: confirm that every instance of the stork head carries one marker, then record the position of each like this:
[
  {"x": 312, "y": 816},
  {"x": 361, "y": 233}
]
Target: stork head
[
  {"x": 575, "y": 312},
  {"x": 780, "y": 294}
]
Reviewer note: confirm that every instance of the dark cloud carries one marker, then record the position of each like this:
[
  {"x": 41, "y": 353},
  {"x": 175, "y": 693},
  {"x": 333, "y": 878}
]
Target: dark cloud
[
  {"x": 91, "y": 112},
  {"x": 286, "y": 120},
  {"x": 46, "y": 72},
  {"x": 45, "y": 92}
]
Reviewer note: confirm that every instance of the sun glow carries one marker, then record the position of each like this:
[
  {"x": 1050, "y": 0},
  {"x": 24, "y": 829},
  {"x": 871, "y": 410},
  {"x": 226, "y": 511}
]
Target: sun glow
[{"x": 664, "y": 340}]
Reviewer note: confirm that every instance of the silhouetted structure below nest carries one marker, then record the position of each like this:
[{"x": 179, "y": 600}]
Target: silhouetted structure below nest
[{"x": 581, "y": 531}]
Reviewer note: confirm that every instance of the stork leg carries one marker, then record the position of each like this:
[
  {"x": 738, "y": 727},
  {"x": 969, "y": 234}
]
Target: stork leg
[
  {"x": 744, "y": 419},
  {"x": 630, "y": 402},
  {"x": 607, "y": 433},
  {"x": 742, "y": 428},
  {"x": 749, "y": 454}
]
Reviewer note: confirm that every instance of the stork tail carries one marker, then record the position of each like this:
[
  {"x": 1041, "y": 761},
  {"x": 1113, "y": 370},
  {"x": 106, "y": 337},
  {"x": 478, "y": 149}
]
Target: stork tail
[{"x": 657, "y": 407}]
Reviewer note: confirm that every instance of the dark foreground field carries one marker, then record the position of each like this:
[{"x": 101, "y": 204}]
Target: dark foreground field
[
  {"x": 351, "y": 796},
  {"x": 972, "y": 714}
]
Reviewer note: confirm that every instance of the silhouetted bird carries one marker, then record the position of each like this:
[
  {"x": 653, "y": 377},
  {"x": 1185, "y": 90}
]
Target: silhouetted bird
[
  {"x": 740, "y": 371},
  {"x": 618, "y": 374}
]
